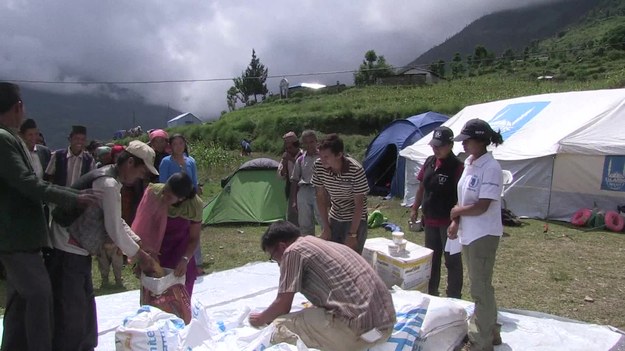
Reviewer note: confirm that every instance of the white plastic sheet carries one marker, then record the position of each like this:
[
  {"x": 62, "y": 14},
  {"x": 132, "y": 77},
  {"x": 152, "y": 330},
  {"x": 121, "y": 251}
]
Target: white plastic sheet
[{"x": 228, "y": 297}]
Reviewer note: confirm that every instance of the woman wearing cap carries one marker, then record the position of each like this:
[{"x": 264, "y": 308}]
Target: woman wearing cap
[
  {"x": 438, "y": 180},
  {"x": 476, "y": 220},
  {"x": 169, "y": 224}
]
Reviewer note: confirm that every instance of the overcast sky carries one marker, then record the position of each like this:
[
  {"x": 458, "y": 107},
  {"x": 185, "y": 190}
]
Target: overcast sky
[{"x": 150, "y": 40}]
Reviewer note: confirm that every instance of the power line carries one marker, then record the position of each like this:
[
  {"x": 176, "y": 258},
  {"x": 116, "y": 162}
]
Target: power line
[{"x": 278, "y": 76}]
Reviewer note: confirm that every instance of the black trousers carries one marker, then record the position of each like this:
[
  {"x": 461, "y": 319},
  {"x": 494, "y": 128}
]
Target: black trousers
[
  {"x": 76, "y": 325},
  {"x": 28, "y": 316},
  {"x": 435, "y": 239}
]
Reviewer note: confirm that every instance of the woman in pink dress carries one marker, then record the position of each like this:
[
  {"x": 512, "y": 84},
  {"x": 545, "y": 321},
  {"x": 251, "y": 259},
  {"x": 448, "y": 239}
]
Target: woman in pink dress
[{"x": 169, "y": 224}]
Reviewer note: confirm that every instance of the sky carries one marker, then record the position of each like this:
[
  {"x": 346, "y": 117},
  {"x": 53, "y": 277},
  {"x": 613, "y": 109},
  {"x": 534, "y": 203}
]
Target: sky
[{"x": 157, "y": 40}]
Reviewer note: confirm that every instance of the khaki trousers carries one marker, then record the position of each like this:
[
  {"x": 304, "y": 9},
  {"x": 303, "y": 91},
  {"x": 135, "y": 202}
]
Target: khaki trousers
[
  {"x": 479, "y": 258},
  {"x": 320, "y": 329}
]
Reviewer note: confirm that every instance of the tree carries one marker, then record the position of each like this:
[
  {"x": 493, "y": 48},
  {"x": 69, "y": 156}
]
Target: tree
[
  {"x": 509, "y": 55},
  {"x": 441, "y": 68},
  {"x": 457, "y": 67},
  {"x": 438, "y": 68},
  {"x": 372, "y": 68},
  {"x": 232, "y": 97},
  {"x": 480, "y": 56},
  {"x": 250, "y": 83}
]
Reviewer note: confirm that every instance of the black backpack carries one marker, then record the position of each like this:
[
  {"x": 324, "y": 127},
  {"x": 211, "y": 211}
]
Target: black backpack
[{"x": 508, "y": 218}]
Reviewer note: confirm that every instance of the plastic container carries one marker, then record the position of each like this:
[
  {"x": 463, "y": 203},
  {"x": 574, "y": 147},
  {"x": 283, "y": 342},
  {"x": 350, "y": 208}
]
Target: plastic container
[
  {"x": 393, "y": 250},
  {"x": 398, "y": 237}
]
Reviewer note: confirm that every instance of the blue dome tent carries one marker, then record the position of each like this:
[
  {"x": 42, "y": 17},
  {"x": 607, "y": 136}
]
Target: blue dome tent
[{"x": 384, "y": 168}]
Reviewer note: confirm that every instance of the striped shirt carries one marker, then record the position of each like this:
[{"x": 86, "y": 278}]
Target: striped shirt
[
  {"x": 74, "y": 166},
  {"x": 334, "y": 277},
  {"x": 342, "y": 187}
]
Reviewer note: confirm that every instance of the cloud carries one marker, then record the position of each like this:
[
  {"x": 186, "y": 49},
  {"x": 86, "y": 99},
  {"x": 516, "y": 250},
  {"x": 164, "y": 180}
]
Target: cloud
[{"x": 151, "y": 40}]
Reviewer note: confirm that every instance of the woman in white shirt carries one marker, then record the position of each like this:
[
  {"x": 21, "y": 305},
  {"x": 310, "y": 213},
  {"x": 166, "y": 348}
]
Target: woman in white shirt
[{"x": 476, "y": 220}]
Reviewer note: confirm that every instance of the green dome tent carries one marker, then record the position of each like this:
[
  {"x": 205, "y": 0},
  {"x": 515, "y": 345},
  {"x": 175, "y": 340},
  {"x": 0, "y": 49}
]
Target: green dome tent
[{"x": 252, "y": 194}]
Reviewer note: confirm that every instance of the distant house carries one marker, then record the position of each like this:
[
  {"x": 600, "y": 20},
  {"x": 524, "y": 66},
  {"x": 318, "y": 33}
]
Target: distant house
[
  {"x": 410, "y": 76},
  {"x": 305, "y": 86},
  {"x": 183, "y": 120}
]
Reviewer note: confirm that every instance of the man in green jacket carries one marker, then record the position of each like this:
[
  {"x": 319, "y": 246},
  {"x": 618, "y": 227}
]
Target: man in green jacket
[{"x": 23, "y": 232}]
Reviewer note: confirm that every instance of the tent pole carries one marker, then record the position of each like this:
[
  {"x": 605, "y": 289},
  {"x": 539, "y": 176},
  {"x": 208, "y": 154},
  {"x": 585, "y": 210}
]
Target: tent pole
[{"x": 553, "y": 166}]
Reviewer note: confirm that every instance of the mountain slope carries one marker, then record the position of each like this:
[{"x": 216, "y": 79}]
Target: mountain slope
[
  {"x": 513, "y": 29},
  {"x": 101, "y": 114}
]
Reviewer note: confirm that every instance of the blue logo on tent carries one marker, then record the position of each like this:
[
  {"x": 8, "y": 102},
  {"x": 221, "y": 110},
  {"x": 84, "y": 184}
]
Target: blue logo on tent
[
  {"x": 613, "y": 178},
  {"x": 513, "y": 117}
]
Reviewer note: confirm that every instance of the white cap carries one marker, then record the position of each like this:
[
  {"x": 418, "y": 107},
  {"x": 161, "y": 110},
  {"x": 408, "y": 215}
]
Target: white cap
[{"x": 145, "y": 152}]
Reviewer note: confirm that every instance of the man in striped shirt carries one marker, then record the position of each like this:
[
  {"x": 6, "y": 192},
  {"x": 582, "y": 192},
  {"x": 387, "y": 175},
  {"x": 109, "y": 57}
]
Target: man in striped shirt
[
  {"x": 341, "y": 185},
  {"x": 353, "y": 309}
]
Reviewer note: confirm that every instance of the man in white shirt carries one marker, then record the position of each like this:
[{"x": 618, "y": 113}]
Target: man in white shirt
[
  {"x": 70, "y": 265},
  {"x": 301, "y": 184},
  {"x": 67, "y": 165},
  {"x": 291, "y": 152}
]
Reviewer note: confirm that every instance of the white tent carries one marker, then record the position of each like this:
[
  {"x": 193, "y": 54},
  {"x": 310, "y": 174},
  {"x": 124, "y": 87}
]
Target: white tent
[{"x": 566, "y": 150}]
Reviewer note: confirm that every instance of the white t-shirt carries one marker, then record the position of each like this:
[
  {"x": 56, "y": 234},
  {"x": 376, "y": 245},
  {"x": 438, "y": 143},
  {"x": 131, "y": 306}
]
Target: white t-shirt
[{"x": 481, "y": 179}]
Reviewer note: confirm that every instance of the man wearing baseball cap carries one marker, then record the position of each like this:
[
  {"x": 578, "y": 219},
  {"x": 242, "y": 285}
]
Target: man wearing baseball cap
[{"x": 74, "y": 301}]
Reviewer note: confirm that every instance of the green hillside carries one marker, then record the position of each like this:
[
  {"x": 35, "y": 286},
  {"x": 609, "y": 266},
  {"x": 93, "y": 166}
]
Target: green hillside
[{"x": 588, "y": 56}]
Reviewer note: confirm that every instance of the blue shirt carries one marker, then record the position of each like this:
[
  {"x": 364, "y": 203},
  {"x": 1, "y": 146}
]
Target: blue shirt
[{"x": 169, "y": 166}]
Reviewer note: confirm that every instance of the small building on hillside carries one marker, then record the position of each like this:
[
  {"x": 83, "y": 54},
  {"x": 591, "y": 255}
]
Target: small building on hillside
[
  {"x": 410, "y": 76},
  {"x": 183, "y": 120}
]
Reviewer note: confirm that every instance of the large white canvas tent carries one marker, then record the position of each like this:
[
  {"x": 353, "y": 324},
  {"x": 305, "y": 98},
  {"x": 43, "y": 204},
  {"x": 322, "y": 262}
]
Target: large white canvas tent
[{"x": 566, "y": 151}]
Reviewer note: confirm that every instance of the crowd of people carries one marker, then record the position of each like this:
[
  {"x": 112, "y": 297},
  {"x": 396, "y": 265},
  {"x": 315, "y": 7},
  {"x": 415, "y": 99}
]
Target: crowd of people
[
  {"x": 456, "y": 201},
  {"x": 56, "y": 205},
  {"x": 148, "y": 196}
]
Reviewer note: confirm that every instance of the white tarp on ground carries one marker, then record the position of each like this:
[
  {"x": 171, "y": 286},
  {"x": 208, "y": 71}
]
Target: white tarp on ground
[
  {"x": 229, "y": 296},
  {"x": 565, "y": 150}
]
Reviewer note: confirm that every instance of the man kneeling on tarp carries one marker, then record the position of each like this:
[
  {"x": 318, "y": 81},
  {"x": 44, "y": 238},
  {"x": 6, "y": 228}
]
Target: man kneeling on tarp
[{"x": 353, "y": 309}]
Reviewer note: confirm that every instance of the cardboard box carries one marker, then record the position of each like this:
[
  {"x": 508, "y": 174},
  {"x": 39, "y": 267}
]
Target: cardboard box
[{"x": 410, "y": 270}]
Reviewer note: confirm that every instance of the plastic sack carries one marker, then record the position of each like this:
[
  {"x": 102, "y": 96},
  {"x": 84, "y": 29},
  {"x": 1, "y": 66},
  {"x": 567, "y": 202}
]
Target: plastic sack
[
  {"x": 150, "y": 329},
  {"x": 167, "y": 293},
  {"x": 407, "y": 330},
  {"x": 159, "y": 285},
  {"x": 425, "y": 323}
]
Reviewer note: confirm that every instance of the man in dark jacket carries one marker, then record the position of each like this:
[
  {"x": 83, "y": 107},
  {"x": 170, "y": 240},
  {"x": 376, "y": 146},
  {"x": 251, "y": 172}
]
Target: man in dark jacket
[{"x": 23, "y": 232}]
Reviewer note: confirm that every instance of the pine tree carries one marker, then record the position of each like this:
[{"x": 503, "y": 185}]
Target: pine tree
[
  {"x": 372, "y": 68},
  {"x": 252, "y": 82}
]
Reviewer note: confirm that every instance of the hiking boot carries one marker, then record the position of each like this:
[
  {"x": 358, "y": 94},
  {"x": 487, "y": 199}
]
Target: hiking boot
[{"x": 497, "y": 335}]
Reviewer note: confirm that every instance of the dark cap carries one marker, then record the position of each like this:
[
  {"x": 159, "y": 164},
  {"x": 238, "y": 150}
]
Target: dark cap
[
  {"x": 79, "y": 130},
  {"x": 475, "y": 129},
  {"x": 442, "y": 136},
  {"x": 28, "y": 124}
]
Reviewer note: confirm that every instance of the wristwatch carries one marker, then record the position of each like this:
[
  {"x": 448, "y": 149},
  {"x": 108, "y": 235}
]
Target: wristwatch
[{"x": 353, "y": 235}]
